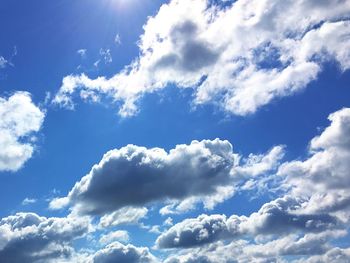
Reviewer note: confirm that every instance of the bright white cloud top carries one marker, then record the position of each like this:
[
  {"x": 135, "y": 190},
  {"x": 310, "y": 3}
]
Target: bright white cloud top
[
  {"x": 239, "y": 58},
  {"x": 20, "y": 119}
]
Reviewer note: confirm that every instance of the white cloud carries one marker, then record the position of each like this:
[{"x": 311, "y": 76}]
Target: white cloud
[
  {"x": 28, "y": 201},
  {"x": 27, "y": 237},
  {"x": 19, "y": 120},
  {"x": 201, "y": 172},
  {"x": 119, "y": 235},
  {"x": 82, "y": 52},
  {"x": 117, "y": 252},
  {"x": 239, "y": 58},
  {"x": 274, "y": 218},
  {"x": 106, "y": 55},
  {"x": 186, "y": 171},
  {"x": 3, "y": 62},
  {"x": 322, "y": 178},
  {"x": 117, "y": 40},
  {"x": 126, "y": 215}
]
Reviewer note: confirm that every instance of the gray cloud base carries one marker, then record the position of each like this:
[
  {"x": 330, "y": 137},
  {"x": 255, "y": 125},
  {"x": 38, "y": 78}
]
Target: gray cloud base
[{"x": 136, "y": 176}]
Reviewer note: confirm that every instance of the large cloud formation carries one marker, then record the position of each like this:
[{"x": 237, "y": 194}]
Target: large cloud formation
[
  {"x": 137, "y": 176},
  {"x": 27, "y": 237},
  {"x": 272, "y": 218},
  {"x": 313, "y": 212},
  {"x": 238, "y": 56},
  {"x": 19, "y": 119}
]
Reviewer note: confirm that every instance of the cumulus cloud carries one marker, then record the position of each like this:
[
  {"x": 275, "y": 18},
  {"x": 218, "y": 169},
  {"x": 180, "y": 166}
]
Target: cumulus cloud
[
  {"x": 186, "y": 175},
  {"x": 274, "y": 218},
  {"x": 152, "y": 175},
  {"x": 305, "y": 222},
  {"x": 117, "y": 252},
  {"x": 197, "y": 231},
  {"x": 309, "y": 248},
  {"x": 20, "y": 119},
  {"x": 335, "y": 255},
  {"x": 27, "y": 237},
  {"x": 322, "y": 178},
  {"x": 239, "y": 56}
]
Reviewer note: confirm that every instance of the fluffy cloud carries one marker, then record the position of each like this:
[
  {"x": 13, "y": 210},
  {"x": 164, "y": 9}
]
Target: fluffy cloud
[
  {"x": 274, "y": 218},
  {"x": 126, "y": 215},
  {"x": 239, "y": 57},
  {"x": 117, "y": 252},
  {"x": 313, "y": 212},
  {"x": 199, "y": 172},
  {"x": 335, "y": 255},
  {"x": 196, "y": 231},
  {"x": 119, "y": 235},
  {"x": 19, "y": 119},
  {"x": 309, "y": 248},
  {"x": 27, "y": 237},
  {"x": 322, "y": 179}
]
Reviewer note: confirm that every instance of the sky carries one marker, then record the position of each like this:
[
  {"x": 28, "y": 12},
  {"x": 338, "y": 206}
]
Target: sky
[{"x": 180, "y": 131}]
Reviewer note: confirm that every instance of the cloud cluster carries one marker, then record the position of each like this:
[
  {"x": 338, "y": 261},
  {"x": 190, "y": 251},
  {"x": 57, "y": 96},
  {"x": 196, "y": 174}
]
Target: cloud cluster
[
  {"x": 308, "y": 248},
  {"x": 135, "y": 176},
  {"x": 323, "y": 178},
  {"x": 19, "y": 120},
  {"x": 310, "y": 213},
  {"x": 27, "y": 237},
  {"x": 272, "y": 219},
  {"x": 313, "y": 211},
  {"x": 238, "y": 56}
]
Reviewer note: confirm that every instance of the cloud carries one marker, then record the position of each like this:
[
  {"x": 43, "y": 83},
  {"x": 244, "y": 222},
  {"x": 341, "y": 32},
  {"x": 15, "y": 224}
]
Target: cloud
[
  {"x": 126, "y": 215},
  {"x": 201, "y": 172},
  {"x": 335, "y": 255},
  {"x": 82, "y": 52},
  {"x": 20, "y": 119},
  {"x": 27, "y": 237},
  {"x": 322, "y": 178},
  {"x": 3, "y": 62},
  {"x": 309, "y": 244},
  {"x": 106, "y": 55},
  {"x": 28, "y": 201},
  {"x": 308, "y": 248},
  {"x": 273, "y": 218},
  {"x": 239, "y": 56},
  {"x": 309, "y": 218},
  {"x": 117, "y": 252},
  {"x": 197, "y": 169},
  {"x": 117, "y": 40},
  {"x": 197, "y": 231},
  {"x": 119, "y": 235}
]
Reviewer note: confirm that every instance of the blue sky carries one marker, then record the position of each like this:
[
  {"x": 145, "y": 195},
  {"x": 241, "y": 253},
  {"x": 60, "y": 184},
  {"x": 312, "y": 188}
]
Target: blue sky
[{"x": 174, "y": 131}]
